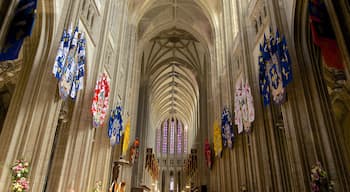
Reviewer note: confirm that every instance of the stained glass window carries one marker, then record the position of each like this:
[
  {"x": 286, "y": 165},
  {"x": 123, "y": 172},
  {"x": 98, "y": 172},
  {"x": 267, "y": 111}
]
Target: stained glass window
[
  {"x": 179, "y": 138},
  {"x": 158, "y": 138},
  {"x": 165, "y": 137},
  {"x": 172, "y": 137}
]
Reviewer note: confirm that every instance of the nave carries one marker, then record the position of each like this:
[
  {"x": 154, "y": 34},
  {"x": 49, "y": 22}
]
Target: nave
[{"x": 174, "y": 95}]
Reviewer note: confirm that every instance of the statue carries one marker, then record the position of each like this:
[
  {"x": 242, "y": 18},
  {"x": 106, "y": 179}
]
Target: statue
[{"x": 134, "y": 150}]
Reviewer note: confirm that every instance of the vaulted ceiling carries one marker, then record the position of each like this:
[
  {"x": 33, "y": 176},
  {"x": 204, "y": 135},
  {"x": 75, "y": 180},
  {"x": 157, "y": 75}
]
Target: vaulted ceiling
[
  {"x": 194, "y": 16},
  {"x": 175, "y": 37},
  {"x": 173, "y": 63}
]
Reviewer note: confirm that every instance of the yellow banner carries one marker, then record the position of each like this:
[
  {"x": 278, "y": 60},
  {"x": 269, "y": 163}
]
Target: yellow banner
[
  {"x": 217, "y": 139},
  {"x": 126, "y": 137}
]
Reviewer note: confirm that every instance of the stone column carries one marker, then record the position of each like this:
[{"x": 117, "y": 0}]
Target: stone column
[{"x": 30, "y": 125}]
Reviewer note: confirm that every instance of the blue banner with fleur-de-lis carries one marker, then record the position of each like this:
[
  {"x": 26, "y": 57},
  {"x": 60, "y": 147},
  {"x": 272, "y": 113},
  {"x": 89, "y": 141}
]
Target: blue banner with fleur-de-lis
[
  {"x": 69, "y": 66},
  {"x": 275, "y": 71},
  {"x": 227, "y": 129},
  {"x": 115, "y": 125},
  {"x": 285, "y": 61},
  {"x": 78, "y": 77}
]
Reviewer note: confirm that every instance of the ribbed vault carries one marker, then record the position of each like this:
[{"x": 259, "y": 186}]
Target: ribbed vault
[
  {"x": 154, "y": 16},
  {"x": 173, "y": 62},
  {"x": 175, "y": 37}
]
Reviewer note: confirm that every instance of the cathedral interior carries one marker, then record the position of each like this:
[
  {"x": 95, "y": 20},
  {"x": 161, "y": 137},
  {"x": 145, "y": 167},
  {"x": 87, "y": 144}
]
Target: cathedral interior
[{"x": 174, "y": 95}]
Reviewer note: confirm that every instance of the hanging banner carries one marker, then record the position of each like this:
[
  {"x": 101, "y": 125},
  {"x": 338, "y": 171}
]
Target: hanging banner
[
  {"x": 217, "y": 139},
  {"x": 126, "y": 137},
  {"x": 78, "y": 76},
  {"x": 20, "y": 27},
  {"x": 238, "y": 105},
  {"x": 323, "y": 34},
  {"x": 208, "y": 153},
  {"x": 274, "y": 69},
  {"x": 244, "y": 106},
  {"x": 227, "y": 129},
  {"x": 151, "y": 164},
  {"x": 66, "y": 81},
  {"x": 61, "y": 55},
  {"x": 100, "y": 101},
  {"x": 115, "y": 126},
  {"x": 69, "y": 66}
]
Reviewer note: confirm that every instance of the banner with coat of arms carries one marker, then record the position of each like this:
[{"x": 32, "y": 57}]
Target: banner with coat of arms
[
  {"x": 275, "y": 71},
  {"x": 227, "y": 129},
  {"x": 244, "y": 106},
  {"x": 115, "y": 126},
  {"x": 69, "y": 66},
  {"x": 151, "y": 164},
  {"x": 100, "y": 101}
]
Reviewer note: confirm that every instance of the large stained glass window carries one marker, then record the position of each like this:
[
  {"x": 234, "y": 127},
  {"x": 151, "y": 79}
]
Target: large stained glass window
[
  {"x": 165, "y": 137},
  {"x": 172, "y": 137},
  {"x": 179, "y": 138},
  {"x": 158, "y": 138}
]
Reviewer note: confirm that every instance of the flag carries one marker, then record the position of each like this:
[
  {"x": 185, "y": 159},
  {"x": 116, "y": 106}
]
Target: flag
[
  {"x": 272, "y": 45},
  {"x": 266, "y": 51},
  {"x": 274, "y": 77},
  {"x": 78, "y": 78},
  {"x": 262, "y": 70},
  {"x": 244, "y": 107},
  {"x": 286, "y": 69},
  {"x": 69, "y": 66},
  {"x": 248, "y": 109},
  {"x": 65, "y": 83},
  {"x": 126, "y": 137},
  {"x": 266, "y": 93},
  {"x": 207, "y": 153},
  {"x": 112, "y": 131},
  {"x": 148, "y": 163},
  {"x": 115, "y": 126},
  {"x": 100, "y": 101},
  {"x": 263, "y": 78},
  {"x": 60, "y": 58},
  {"x": 279, "y": 45},
  {"x": 62, "y": 53},
  {"x": 238, "y": 105},
  {"x": 284, "y": 59},
  {"x": 274, "y": 71},
  {"x": 323, "y": 35},
  {"x": 119, "y": 125},
  {"x": 268, "y": 46},
  {"x": 276, "y": 87},
  {"x": 227, "y": 129},
  {"x": 67, "y": 40},
  {"x": 217, "y": 139},
  {"x": 20, "y": 27}
]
